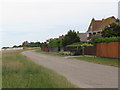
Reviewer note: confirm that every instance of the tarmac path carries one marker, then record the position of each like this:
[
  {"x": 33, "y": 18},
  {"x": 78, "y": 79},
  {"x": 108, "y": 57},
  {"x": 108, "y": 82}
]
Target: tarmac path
[{"x": 81, "y": 73}]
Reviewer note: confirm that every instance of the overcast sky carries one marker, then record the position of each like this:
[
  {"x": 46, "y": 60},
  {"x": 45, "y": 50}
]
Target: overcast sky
[{"x": 38, "y": 20}]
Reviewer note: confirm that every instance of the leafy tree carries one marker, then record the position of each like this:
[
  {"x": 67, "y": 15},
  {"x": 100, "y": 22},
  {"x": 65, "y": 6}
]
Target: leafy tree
[
  {"x": 53, "y": 43},
  {"x": 70, "y": 38},
  {"x": 112, "y": 30},
  {"x": 56, "y": 43}
]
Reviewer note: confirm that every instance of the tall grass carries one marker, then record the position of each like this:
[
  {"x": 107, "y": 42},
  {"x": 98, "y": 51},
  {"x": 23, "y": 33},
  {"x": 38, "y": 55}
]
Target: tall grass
[{"x": 20, "y": 72}]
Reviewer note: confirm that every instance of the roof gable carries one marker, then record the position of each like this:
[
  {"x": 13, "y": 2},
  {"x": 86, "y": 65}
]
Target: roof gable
[{"x": 97, "y": 25}]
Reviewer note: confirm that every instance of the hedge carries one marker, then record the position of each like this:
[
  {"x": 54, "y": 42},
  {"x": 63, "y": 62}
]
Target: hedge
[
  {"x": 79, "y": 45},
  {"x": 56, "y": 43},
  {"x": 107, "y": 39}
]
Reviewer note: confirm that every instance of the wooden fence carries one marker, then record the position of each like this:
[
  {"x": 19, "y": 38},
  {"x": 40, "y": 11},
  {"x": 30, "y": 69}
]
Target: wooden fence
[
  {"x": 75, "y": 50},
  {"x": 91, "y": 50},
  {"x": 111, "y": 49}
]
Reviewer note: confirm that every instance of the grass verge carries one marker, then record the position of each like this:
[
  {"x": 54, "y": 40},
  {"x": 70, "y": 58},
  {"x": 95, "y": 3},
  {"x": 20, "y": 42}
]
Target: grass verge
[
  {"x": 19, "y": 72},
  {"x": 99, "y": 60}
]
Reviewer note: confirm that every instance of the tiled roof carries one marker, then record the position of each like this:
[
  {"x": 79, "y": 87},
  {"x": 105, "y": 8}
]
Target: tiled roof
[{"x": 97, "y": 25}]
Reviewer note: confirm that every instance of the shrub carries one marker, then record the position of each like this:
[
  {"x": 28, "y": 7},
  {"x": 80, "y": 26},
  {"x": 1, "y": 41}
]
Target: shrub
[
  {"x": 107, "y": 39},
  {"x": 53, "y": 43},
  {"x": 95, "y": 38},
  {"x": 79, "y": 45},
  {"x": 56, "y": 43}
]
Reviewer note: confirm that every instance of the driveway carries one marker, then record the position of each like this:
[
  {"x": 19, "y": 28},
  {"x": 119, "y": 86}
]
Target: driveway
[{"x": 81, "y": 73}]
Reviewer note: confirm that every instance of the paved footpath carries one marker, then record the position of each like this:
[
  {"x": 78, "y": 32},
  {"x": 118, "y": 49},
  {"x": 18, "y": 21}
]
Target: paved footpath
[{"x": 81, "y": 73}]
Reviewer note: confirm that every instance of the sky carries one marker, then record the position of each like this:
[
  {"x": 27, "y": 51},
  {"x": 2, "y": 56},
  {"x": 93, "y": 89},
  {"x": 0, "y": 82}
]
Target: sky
[{"x": 39, "y": 20}]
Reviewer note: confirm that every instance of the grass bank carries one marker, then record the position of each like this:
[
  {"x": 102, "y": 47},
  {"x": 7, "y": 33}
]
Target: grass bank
[
  {"x": 19, "y": 72},
  {"x": 99, "y": 60}
]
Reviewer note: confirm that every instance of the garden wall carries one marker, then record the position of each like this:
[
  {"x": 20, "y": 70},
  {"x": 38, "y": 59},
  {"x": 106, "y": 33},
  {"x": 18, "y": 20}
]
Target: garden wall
[{"x": 111, "y": 49}]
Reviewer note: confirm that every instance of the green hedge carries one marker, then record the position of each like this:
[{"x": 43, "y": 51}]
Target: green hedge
[
  {"x": 56, "y": 43},
  {"x": 79, "y": 45},
  {"x": 103, "y": 40}
]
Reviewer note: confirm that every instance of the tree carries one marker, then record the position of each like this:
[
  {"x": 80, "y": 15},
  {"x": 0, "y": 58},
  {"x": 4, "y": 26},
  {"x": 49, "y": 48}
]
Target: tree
[
  {"x": 53, "y": 43},
  {"x": 112, "y": 30},
  {"x": 15, "y": 46},
  {"x": 70, "y": 38},
  {"x": 56, "y": 43}
]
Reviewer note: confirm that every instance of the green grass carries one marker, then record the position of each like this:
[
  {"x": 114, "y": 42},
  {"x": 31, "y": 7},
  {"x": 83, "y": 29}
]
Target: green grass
[
  {"x": 99, "y": 60},
  {"x": 19, "y": 72},
  {"x": 51, "y": 53}
]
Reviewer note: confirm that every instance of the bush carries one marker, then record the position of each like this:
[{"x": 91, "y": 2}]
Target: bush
[
  {"x": 53, "y": 43},
  {"x": 56, "y": 43},
  {"x": 95, "y": 38},
  {"x": 80, "y": 45},
  {"x": 103, "y": 40},
  {"x": 66, "y": 53}
]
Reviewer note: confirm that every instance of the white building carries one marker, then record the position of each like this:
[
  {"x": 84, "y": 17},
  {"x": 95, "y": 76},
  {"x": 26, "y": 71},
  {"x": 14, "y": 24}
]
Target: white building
[{"x": 119, "y": 10}]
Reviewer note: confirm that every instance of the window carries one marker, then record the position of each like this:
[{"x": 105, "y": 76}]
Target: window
[
  {"x": 90, "y": 27},
  {"x": 94, "y": 33}
]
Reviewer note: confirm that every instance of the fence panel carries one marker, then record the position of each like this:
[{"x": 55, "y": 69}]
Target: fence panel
[
  {"x": 90, "y": 50},
  {"x": 111, "y": 49}
]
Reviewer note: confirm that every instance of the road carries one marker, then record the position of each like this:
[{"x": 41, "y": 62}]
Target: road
[{"x": 81, "y": 73}]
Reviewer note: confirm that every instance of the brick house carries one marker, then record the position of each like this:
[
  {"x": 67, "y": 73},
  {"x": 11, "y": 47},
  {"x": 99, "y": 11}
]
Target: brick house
[
  {"x": 60, "y": 37},
  {"x": 25, "y": 43},
  {"x": 96, "y": 26}
]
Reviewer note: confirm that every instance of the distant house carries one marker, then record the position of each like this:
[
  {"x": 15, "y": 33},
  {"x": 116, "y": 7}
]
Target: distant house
[
  {"x": 47, "y": 41},
  {"x": 83, "y": 36},
  {"x": 96, "y": 26},
  {"x": 60, "y": 37},
  {"x": 25, "y": 43}
]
